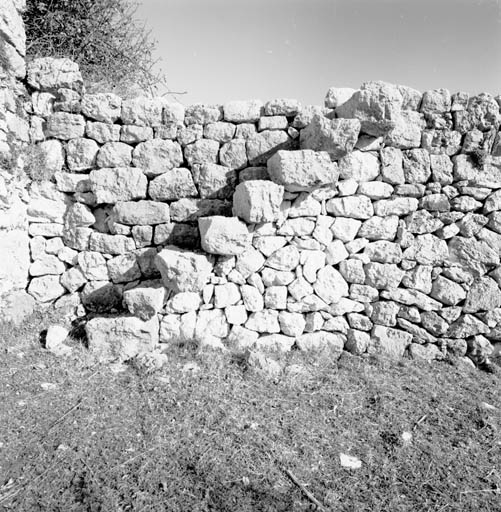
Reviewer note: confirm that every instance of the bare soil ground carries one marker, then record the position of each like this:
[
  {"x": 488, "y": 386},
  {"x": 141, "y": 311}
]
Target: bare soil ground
[{"x": 206, "y": 433}]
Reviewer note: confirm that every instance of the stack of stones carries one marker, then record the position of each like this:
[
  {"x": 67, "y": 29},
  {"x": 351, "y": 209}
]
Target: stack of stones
[{"x": 372, "y": 224}]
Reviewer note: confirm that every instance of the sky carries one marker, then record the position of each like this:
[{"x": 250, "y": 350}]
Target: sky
[{"x": 221, "y": 50}]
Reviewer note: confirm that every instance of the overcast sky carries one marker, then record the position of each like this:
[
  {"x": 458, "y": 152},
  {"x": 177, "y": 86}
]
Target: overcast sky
[{"x": 219, "y": 50}]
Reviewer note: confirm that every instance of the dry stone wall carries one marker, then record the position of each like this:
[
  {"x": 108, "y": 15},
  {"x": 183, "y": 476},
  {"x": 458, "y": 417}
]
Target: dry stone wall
[
  {"x": 372, "y": 224},
  {"x": 14, "y": 139}
]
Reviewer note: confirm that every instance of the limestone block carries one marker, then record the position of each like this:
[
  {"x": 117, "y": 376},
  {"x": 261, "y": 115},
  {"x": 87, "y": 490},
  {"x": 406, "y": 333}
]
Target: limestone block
[
  {"x": 157, "y": 156},
  {"x": 265, "y": 321},
  {"x": 211, "y": 323},
  {"x": 220, "y": 131},
  {"x": 173, "y": 184},
  {"x": 392, "y": 170},
  {"x": 122, "y": 337},
  {"x": 357, "y": 341},
  {"x": 15, "y": 260},
  {"x": 252, "y": 298},
  {"x": 223, "y": 235},
  {"x": 483, "y": 295},
  {"x": 216, "y": 181},
  {"x": 385, "y": 313},
  {"x": 78, "y": 215},
  {"x": 203, "y": 114},
  {"x": 419, "y": 278},
  {"x": 47, "y": 265},
  {"x": 376, "y": 105},
  {"x": 388, "y": 341},
  {"x": 68, "y": 182},
  {"x": 49, "y": 155},
  {"x": 353, "y": 207},
  {"x": 110, "y": 244},
  {"x": 379, "y": 228},
  {"x": 412, "y": 298},
  {"x": 475, "y": 256},
  {"x": 236, "y": 315},
  {"x": 46, "y": 210},
  {"x": 183, "y": 271},
  {"x": 114, "y": 154},
  {"x": 144, "y": 213},
  {"x": 50, "y": 74},
  {"x": 360, "y": 166},
  {"x": 375, "y": 190},
  {"x": 225, "y": 295},
  {"x": 263, "y": 145},
  {"x": 397, "y": 206},
  {"x": 335, "y": 136},
  {"x": 93, "y": 266},
  {"x": 466, "y": 326},
  {"x": 257, "y": 201},
  {"x": 417, "y": 167},
  {"x": 281, "y": 107},
  {"x": 302, "y": 170},
  {"x": 104, "y": 107},
  {"x": 204, "y": 151},
  {"x": 321, "y": 341},
  {"x": 131, "y": 134},
  {"x": 233, "y": 154},
  {"x": 273, "y": 123},
  {"x": 102, "y": 132},
  {"x": 184, "y": 302},
  {"x": 73, "y": 279},
  {"x": 142, "y": 111},
  {"x": 64, "y": 126},
  {"x": 407, "y": 131},
  {"x": 330, "y": 285},
  {"x": 46, "y": 288},
  {"x": 382, "y": 276},
  {"x": 275, "y": 297},
  {"x": 243, "y": 111},
  {"x": 118, "y": 184},
  {"x": 123, "y": 268},
  {"x": 291, "y": 324}
]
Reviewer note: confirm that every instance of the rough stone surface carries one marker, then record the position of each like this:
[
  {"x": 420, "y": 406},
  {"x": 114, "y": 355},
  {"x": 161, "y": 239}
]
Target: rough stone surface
[
  {"x": 183, "y": 271},
  {"x": 302, "y": 170},
  {"x": 257, "y": 201},
  {"x": 223, "y": 235}
]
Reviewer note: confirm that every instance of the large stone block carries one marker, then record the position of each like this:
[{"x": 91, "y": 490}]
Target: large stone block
[
  {"x": 353, "y": 207},
  {"x": 243, "y": 111},
  {"x": 123, "y": 337},
  {"x": 143, "y": 213},
  {"x": 64, "y": 126},
  {"x": 157, "y": 156},
  {"x": 173, "y": 184},
  {"x": 224, "y": 235},
  {"x": 261, "y": 146},
  {"x": 302, "y": 170},
  {"x": 376, "y": 105},
  {"x": 389, "y": 342},
  {"x": 51, "y": 74},
  {"x": 15, "y": 260},
  {"x": 142, "y": 111},
  {"x": 216, "y": 181},
  {"x": 257, "y": 201},
  {"x": 103, "y": 107},
  {"x": 46, "y": 288},
  {"x": 183, "y": 271},
  {"x": 118, "y": 184},
  {"x": 335, "y": 136}
]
